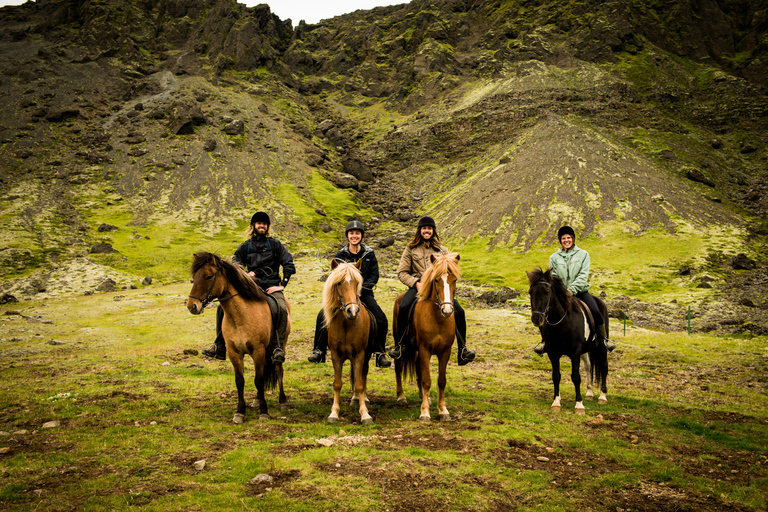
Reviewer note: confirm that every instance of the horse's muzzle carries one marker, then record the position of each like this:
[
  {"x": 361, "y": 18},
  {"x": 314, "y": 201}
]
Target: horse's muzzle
[
  {"x": 446, "y": 310},
  {"x": 537, "y": 319},
  {"x": 351, "y": 311},
  {"x": 195, "y": 306}
]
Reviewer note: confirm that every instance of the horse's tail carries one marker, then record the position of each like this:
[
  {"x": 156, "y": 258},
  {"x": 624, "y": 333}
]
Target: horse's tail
[
  {"x": 598, "y": 362},
  {"x": 409, "y": 360},
  {"x": 270, "y": 374}
]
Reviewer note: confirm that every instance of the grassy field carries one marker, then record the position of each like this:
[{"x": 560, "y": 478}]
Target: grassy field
[{"x": 684, "y": 429}]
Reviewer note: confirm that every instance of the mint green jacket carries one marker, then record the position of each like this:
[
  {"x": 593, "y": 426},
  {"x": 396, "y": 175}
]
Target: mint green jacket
[{"x": 573, "y": 268}]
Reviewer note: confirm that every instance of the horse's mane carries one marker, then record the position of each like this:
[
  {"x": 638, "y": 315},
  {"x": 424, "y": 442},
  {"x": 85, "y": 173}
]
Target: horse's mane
[
  {"x": 561, "y": 293},
  {"x": 443, "y": 263},
  {"x": 245, "y": 285},
  {"x": 339, "y": 274}
]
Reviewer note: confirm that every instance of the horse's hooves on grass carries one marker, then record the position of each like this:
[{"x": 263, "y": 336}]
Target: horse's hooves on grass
[
  {"x": 445, "y": 417},
  {"x": 355, "y": 402},
  {"x": 402, "y": 401},
  {"x": 265, "y": 417},
  {"x": 580, "y": 412},
  {"x": 284, "y": 407},
  {"x": 367, "y": 421},
  {"x": 238, "y": 419},
  {"x": 425, "y": 418},
  {"x": 332, "y": 420},
  {"x": 255, "y": 404},
  {"x": 602, "y": 401},
  {"x": 589, "y": 395},
  {"x": 555, "y": 408}
]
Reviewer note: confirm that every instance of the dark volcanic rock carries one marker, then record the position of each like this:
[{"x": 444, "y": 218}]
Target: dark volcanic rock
[
  {"x": 106, "y": 227},
  {"x": 699, "y": 177},
  {"x": 108, "y": 285},
  {"x": 103, "y": 249},
  {"x": 742, "y": 262},
  {"x": 502, "y": 295}
]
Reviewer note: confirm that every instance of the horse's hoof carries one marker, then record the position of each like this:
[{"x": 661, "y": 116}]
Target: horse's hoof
[
  {"x": 555, "y": 408},
  {"x": 355, "y": 402},
  {"x": 366, "y": 421},
  {"x": 589, "y": 395},
  {"x": 255, "y": 404},
  {"x": 580, "y": 412},
  {"x": 284, "y": 407},
  {"x": 425, "y": 418},
  {"x": 602, "y": 401},
  {"x": 238, "y": 419},
  {"x": 445, "y": 417},
  {"x": 265, "y": 416},
  {"x": 402, "y": 401},
  {"x": 332, "y": 419}
]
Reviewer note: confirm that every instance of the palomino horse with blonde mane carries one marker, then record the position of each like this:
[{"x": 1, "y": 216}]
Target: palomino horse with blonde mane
[
  {"x": 434, "y": 328},
  {"x": 567, "y": 330},
  {"x": 247, "y": 325},
  {"x": 348, "y": 327}
]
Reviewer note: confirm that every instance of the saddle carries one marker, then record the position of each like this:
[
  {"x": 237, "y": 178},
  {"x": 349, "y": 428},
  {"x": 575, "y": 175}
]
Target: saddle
[{"x": 373, "y": 330}]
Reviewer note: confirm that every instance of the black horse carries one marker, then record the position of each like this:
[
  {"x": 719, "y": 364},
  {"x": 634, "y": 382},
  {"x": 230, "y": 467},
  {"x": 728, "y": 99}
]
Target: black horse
[{"x": 567, "y": 329}]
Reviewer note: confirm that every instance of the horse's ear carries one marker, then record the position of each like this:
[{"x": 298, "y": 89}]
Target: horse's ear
[
  {"x": 458, "y": 257},
  {"x": 334, "y": 264},
  {"x": 530, "y": 277},
  {"x": 359, "y": 264},
  {"x": 432, "y": 258}
]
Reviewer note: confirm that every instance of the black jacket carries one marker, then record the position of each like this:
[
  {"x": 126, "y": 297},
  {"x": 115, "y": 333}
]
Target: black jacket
[
  {"x": 369, "y": 268},
  {"x": 264, "y": 256}
]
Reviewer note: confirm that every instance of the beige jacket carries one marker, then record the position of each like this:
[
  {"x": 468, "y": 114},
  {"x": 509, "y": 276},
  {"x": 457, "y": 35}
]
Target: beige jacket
[{"x": 414, "y": 262}]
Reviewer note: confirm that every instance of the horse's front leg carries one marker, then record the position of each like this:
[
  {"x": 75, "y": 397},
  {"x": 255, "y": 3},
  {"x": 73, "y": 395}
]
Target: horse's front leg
[
  {"x": 399, "y": 366},
  {"x": 359, "y": 386},
  {"x": 441, "y": 381},
  {"x": 237, "y": 363},
  {"x": 425, "y": 383},
  {"x": 576, "y": 378},
  {"x": 337, "y": 367},
  {"x": 555, "y": 361}
]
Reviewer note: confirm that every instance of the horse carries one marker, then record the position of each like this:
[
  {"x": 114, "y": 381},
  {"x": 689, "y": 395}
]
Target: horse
[
  {"x": 434, "y": 329},
  {"x": 348, "y": 327},
  {"x": 247, "y": 325},
  {"x": 565, "y": 329}
]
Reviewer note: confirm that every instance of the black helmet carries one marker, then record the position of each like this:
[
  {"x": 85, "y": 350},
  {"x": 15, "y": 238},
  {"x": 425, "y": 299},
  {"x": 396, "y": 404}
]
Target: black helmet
[
  {"x": 565, "y": 230},
  {"x": 354, "y": 224},
  {"x": 260, "y": 217}
]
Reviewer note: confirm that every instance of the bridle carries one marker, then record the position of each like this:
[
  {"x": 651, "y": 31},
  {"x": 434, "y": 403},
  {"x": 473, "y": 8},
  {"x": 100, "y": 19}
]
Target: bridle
[
  {"x": 344, "y": 305},
  {"x": 545, "y": 313},
  {"x": 435, "y": 302},
  {"x": 207, "y": 299}
]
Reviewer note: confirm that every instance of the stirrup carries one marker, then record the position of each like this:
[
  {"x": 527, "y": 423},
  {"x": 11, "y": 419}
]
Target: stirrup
[
  {"x": 539, "y": 349},
  {"x": 465, "y": 356},
  {"x": 317, "y": 356},
  {"x": 609, "y": 344},
  {"x": 278, "y": 356},
  {"x": 396, "y": 352},
  {"x": 382, "y": 361},
  {"x": 213, "y": 352}
]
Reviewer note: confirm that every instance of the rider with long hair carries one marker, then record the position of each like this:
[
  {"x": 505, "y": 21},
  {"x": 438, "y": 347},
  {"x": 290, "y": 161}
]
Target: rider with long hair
[
  {"x": 413, "y": 263},
  {"x": 571, "y": 264}
]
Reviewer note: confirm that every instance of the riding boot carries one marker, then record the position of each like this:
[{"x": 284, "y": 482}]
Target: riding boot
[
  {"x": 381, "y": 356},
  {"x": 320, "y": 348},
  {"x": 465, "y": 355},
  {"x": 218, "y": 350},
  {"x": 609, "y": 345},
  {"x": 540, "y": 349},
  {"x": 278, "y": 355}
]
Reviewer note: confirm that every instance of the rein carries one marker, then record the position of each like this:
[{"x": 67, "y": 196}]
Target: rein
[
  {"x": 345, "y": 304},
  {"x": 208, "y": 299},
  {"x": 435, "y": 302}
]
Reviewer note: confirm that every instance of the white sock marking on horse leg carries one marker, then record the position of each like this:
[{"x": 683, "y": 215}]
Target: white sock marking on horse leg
[{"x": 556, "y": 403}]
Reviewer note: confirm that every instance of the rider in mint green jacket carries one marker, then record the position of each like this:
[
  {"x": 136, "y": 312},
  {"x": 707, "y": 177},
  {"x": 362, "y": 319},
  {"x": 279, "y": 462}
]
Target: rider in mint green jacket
[{"x": 571, "y": 264}]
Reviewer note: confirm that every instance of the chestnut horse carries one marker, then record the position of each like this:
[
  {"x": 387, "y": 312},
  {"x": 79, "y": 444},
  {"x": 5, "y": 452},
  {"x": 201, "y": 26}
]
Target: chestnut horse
[
  {"x": 566, "y": 331},
  {"x": 434, "y": 328},
  {"x": 247, "y": 325},
  {"x": 348, "y": 327}
]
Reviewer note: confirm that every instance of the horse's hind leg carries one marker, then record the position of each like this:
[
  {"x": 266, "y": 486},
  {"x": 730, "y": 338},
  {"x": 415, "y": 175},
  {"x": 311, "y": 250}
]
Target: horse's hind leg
[
  {"x": 555, "y": 361},
  {"x": 588, "y": 372},
  {"x": 441, "y": 381},
  {"x": 283, "y": 401},
  {"x": 237, "y": 363},
  {"x": 576, "y": 378}
]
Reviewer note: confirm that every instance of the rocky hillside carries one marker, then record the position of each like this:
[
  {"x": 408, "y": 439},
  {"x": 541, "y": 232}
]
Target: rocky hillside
[{"x": 171, "y": 121}]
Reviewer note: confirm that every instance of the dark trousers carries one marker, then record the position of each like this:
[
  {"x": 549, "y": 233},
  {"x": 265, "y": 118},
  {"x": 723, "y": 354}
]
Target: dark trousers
[
  {"x": 405, "y": 306},
  {"x": 589, "y": 300},
  {"x": 382, "y": 325}
]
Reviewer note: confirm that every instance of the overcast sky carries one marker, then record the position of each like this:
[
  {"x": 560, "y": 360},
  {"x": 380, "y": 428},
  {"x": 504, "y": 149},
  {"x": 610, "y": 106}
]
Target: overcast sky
[{"x": 310, "y": 11}]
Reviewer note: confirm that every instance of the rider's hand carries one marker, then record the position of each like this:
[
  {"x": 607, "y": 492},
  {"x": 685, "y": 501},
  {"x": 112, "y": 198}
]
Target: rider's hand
[
  {"x": 252, "y": 274},
  {"x": 418, "y": 286},
  {"x": 273, "y": 289}
]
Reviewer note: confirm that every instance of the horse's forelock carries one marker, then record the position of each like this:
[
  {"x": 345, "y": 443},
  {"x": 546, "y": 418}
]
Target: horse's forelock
[
  {"x": 201, "y": 259},
  {"x": 446, "y": 263},
  {"x": 338, "y": 274}
]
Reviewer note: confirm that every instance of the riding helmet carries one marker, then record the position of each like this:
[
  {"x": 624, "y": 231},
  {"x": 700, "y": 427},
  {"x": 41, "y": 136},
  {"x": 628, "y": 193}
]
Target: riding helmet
[
  {"x": 354, "y": 224},
  {"x": 565, "y": 230},
  {"x": 426, "y": 221},
  {"x": 260, "y": 217}
]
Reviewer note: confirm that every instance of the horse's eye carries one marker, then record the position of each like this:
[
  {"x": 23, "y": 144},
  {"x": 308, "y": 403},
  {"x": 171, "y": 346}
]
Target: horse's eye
[{"x": 209, "y": 277}]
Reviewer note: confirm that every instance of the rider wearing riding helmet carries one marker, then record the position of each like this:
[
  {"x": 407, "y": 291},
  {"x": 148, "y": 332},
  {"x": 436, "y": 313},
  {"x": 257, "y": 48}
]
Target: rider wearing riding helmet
[
  {"x": 571, "y": 264},
  {"x": 262, "y": 256},
  {"x": 413, "y": 264},
  {"x": 352, "y": 252}
]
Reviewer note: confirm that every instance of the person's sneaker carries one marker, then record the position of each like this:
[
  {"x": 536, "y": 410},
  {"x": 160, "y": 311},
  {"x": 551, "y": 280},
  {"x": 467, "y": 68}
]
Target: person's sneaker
[
  {"x": 465, "y": 356},
  {"x": 214, "y": 353},
  {"x": 317, "y": 356},
  {"x": 539, "y": 349},
  {"x": 278, "y": 356},
  {"x": 610, "y": 345},
  {"x": 382, "y": 361},
  {"x": 396, "y": 353}
]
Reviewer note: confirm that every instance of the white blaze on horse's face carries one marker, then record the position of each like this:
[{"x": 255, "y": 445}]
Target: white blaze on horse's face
[
  {"x": 446, "y": 308},
  {"x": 351, "y": 309}
]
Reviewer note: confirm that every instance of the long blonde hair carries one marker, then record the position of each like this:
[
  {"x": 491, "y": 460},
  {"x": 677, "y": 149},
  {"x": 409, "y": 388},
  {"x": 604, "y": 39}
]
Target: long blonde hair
[
  {"x": 339, "y": 274},
  {"x": 446, "y": 263}
]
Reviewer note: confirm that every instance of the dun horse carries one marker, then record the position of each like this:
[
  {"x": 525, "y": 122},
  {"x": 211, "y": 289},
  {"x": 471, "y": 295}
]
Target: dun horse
[
  {"x": 348, "y": 327},
  {"x": 247, "y": 325},
  {"x": 434, "y": 328},
  {"x": 566, "y": 330}
]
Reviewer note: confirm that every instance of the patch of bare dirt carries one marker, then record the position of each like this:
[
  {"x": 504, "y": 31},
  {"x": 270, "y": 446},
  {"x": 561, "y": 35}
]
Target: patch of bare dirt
[{"x": 280, "y": 479}]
